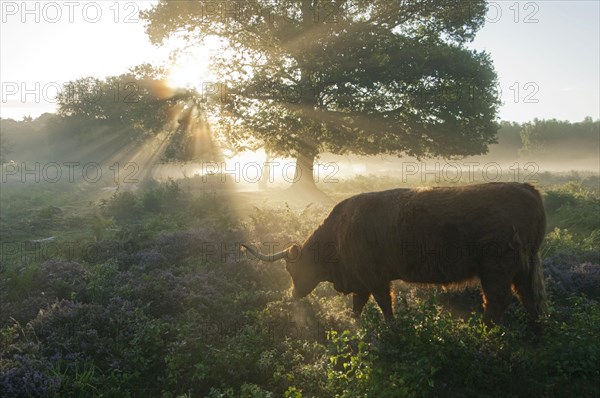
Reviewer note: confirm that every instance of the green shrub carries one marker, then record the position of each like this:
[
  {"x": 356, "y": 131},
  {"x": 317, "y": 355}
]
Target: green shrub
[
  {"x": 563, "y": 241},
  {"x": 554, "y": 200},
  {"x": 592, "y": 242},
  {"x": 559, "y": 240},
  {"x": 100, "y": 226},
  {"x": 122, "y": 206},
  {"x": 424, "y": 352},
  {"x": 574, "y": 207},
  {"x": 161, "y": 198}
]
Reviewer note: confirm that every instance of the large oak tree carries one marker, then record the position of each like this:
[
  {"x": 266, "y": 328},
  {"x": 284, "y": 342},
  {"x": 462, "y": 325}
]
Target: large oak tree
[{"x": 362, "y": 77}]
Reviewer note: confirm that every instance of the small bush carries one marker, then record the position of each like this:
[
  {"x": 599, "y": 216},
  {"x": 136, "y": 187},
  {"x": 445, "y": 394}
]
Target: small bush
[
  {"x": 24, "y": 376},
  {"x": 161, "y": 198},
  {"x": 122, "y": 206},
  {"x": 554, "y": 200},
  {"x": 574, "y": 207},
  {"x": 568, "y": 275},
  {"x": 559, "y": 240},
  {"x": 100, "y": 226}
]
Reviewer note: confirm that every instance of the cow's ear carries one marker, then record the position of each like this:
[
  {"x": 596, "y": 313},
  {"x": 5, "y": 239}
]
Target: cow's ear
[{"x": 293, "y": 252}]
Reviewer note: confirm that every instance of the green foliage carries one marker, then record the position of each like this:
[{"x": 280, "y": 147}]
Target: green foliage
[
  {"x": 161, "y": 198},
  {"x": 554, "y": 200},
  {"x": 96, "y": 118},
  {"x": 424, "y": 352},
  {"x": 168, "y": 316},
  {"x": 100, "y": 283},
  {"x": 372, "y": 79},
  {"x": 592, "y": 242},
  {"x": 100, "y": 225},
  {"x": 350, "y": 364},
  {"x": 130, "y": 100},
  {"x": 81, "y": 381},
  {"x": 572, "y": 250},
  {"x": 574, "y": 207},
  {"x": 548, "y": 137},
  {"x": 49, "y": 212},
  {"x": 571, "y": 348},
  {"x": 293, "y": 392},
  {"x": 559, "y": 240},
  {"x": 213, "y": 208},
  {"x": 122, "y": 205}
]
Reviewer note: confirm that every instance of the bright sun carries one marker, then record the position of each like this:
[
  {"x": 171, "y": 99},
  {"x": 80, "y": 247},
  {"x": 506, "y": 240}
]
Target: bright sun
[{"x": 190, "y": 68}]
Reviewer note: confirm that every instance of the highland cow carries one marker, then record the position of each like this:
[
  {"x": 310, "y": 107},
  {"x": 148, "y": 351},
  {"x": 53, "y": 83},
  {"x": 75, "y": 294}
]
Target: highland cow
[{"x": 441, "y": 235}]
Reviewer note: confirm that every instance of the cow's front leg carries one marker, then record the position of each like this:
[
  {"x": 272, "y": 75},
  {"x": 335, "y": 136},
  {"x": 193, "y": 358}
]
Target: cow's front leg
[
  {"x": 358, "y": 303},
  {"x": 383, "y": 296}
]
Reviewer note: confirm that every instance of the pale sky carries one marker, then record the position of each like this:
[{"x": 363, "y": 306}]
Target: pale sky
[{"x": 545, "y": 52}]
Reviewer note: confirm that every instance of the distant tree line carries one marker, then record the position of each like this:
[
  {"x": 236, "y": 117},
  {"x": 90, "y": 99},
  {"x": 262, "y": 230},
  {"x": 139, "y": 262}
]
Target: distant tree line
[
  {"x": 95, "y": 117},
  {"x": 548, "y": 139},
  {"x": 76, "y": 127}
]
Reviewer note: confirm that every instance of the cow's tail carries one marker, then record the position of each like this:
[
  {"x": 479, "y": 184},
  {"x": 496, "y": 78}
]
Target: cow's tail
[
  {"x": 536, "y": 278},
  {"x": 531, "y": 256}
]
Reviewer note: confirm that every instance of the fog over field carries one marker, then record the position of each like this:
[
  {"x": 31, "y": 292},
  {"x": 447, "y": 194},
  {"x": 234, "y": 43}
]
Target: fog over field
[{"x": 299, "y": 198}]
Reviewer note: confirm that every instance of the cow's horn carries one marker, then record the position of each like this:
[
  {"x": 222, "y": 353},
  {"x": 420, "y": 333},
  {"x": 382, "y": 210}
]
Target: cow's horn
[{"x": 264, "y": 257}]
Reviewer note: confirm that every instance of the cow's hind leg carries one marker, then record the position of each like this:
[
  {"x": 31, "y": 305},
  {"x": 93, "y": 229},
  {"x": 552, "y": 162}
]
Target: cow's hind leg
[
  {"x": 358, "y": 303},
  {"x": 383, "y": 296},
  {"x": 523, "y": 287},
  {"x": 497, "y": 295}
]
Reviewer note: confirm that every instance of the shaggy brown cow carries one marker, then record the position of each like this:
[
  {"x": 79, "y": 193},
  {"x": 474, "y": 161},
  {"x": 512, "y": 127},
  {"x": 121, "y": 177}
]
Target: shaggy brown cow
[{"x": 441, "y": 235}]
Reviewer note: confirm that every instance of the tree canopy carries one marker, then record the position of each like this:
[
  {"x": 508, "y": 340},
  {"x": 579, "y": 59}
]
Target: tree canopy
[
  {"x": 132, "y": 100},
  {"x": 362, "y": 77}
]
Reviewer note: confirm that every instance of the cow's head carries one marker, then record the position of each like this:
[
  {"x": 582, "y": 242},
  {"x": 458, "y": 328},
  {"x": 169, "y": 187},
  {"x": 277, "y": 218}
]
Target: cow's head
[{"x": 306, "y": 273}]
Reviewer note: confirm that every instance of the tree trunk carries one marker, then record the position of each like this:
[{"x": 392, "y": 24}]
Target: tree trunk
[
  {"x": 266, "y": 173},
  {"x": 303, "y": 177},
  {"x": 304, "y": 188}
]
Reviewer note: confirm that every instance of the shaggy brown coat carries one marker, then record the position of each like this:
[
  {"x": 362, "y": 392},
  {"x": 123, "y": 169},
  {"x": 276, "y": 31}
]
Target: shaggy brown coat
[{"x": 440, "y": 235}]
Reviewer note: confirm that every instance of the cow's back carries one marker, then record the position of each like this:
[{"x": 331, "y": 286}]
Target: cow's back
[{"x": 432, "y": 235}]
